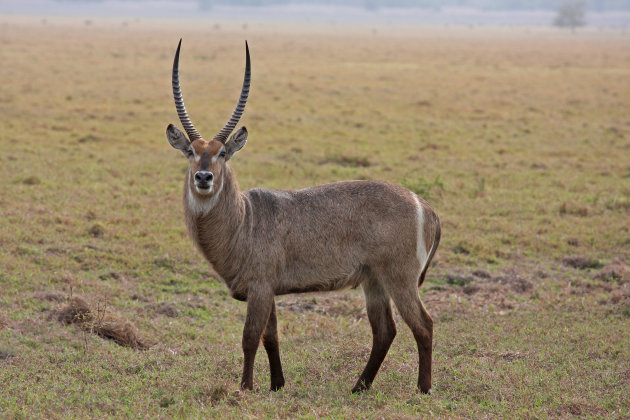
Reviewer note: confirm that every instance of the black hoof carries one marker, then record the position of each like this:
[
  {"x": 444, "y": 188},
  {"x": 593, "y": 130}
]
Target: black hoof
[
  {"x": 277, "y": 387},
  {"x": 360, "y": 387}
]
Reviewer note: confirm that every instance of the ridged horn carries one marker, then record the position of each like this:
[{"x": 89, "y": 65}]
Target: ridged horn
[
  {"x": 240, "y": 106},
  {"x": 193, "y": 134}
]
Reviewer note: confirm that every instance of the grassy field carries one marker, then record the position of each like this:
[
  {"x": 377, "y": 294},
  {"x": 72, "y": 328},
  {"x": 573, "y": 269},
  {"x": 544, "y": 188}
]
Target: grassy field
[{"x": 519, "y": 138}]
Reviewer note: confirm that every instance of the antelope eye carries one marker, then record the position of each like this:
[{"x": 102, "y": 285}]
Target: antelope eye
[{"x": 222, "y": 155}]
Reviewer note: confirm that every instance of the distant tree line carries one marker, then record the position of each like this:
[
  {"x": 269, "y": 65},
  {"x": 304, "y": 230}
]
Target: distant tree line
[{"x": 593, "y": 5}]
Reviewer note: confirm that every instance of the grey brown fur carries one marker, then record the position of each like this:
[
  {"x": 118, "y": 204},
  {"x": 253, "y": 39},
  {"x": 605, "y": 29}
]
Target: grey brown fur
[{"x": 264, "y": 243}]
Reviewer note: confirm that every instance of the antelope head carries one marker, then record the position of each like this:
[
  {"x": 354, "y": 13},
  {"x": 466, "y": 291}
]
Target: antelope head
[{"x": 207, "y": 158}]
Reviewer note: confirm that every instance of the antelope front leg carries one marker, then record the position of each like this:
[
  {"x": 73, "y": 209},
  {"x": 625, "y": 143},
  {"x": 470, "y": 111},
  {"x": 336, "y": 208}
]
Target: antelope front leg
[
  {"x": 270, "y": 341},
  {"x": 259, "y": 304}
]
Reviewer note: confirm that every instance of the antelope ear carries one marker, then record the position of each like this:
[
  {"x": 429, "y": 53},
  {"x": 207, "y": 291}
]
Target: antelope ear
[
  {"x": 178, "y": 140},
  {"x": 236, "y": 143}
]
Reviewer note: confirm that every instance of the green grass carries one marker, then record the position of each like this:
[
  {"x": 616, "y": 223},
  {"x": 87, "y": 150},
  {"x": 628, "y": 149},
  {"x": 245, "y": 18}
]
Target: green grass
[{"x": 518, "y": 140}]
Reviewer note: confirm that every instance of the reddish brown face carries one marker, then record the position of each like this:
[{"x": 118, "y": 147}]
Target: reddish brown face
[
  {"x": 207, "y": 160},
  {"x": 207, "y": 163}
]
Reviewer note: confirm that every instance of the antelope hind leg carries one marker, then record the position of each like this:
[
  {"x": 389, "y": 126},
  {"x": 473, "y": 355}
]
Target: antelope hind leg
[
  {"x": 419, "y": 321},
  {"x": 383, "y": 331}
]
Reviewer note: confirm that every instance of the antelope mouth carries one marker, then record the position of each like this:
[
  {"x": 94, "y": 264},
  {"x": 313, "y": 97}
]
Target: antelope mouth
[{"x": 203, "y": 189}]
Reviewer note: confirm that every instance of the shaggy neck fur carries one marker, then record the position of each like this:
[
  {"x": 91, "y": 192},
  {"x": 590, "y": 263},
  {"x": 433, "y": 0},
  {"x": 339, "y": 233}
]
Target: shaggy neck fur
[{"x": 215, "y": 224}]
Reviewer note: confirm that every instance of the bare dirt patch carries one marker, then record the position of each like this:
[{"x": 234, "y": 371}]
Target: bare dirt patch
[
  {"x": 344, "y": 304},
  {"x": 580, "y": 409},
  {"x": 574, "y": 209},
  {"x": 110, "y": 275},
  {"x": 217, "y": 394},
  {"x": 479, "y": 289},
  {"x": 508, "y": 356},
  {"x": 456, "y": 292},
  {"x": 4, "y": 323},
  {"x": 140, "y": 298}
]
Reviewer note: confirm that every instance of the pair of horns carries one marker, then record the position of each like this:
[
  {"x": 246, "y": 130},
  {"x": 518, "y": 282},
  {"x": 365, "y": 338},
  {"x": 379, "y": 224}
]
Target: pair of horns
[{"x": 193, "y": 134}]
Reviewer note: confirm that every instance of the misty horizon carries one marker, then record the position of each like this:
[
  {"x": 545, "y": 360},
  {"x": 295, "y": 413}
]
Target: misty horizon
[{"x": 358, "y": 11}]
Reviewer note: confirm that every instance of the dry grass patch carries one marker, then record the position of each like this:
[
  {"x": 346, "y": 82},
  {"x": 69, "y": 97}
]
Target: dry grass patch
[{"x": 101, "y": 323}]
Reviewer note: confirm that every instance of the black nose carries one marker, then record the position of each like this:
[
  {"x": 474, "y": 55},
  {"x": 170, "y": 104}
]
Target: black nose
[{"x": 203, "y": 177}]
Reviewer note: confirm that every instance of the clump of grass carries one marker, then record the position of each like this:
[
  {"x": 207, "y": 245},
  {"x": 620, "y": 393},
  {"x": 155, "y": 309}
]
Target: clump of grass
[
  {"x": 167, "y": 401},
  {"x": 27, "y": 250},
  {"x": 97, "y": 230},
  {"x": 164, "y": 263},
  {"x": 459, "y": 279},
  {"x": 619, "y": 203},
  {"x": 347, "y": 161},
  {"x": 215, "y": 395},
  {"x": 167, "y": 309},
  {"x": 461, "y": 248},
  {"x": 582, "y": 263},
  {"x": 90, "y": 216},
  {"x": 616, "y": 271},
  {"x": 110, "y": 275},
  {"x": 480, "y": 188},
  {"x": 573, "y": 241},
  {"x": 6, "y": 354},
  {"x": 31, "y": 180},
  {"x": 90, "y": 138},
  {"x": 572, "y": 208},
  {"x": 610, "y": 274}
]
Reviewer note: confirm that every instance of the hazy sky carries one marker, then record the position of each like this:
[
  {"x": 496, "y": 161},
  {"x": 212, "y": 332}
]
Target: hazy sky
[{"x": 486, "y": 12}]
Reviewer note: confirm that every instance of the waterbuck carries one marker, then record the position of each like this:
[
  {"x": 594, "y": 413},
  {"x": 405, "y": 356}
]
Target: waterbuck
[{"x": 264, "y": 243}]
